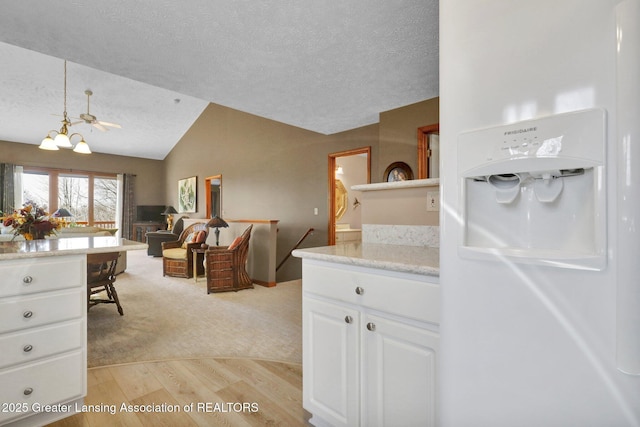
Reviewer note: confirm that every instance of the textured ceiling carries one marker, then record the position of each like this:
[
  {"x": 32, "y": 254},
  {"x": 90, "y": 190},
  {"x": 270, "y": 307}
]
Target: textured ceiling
[{"x": 324, "y": 66}]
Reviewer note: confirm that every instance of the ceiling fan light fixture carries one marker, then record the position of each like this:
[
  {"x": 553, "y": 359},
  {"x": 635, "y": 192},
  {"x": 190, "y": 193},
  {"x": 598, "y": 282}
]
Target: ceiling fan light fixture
[
  {"x": 48, "y": 144},
  {"x": 82, "y": 147},
  {"x": 90, "y": 119},
  {"x": 62, "y": 140}
]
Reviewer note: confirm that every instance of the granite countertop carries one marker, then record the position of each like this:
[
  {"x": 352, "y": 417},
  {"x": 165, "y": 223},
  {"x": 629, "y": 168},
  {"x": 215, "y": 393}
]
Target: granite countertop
[
  {"x": 402, "y": 258},
  {"x": 66, "y": 246}
]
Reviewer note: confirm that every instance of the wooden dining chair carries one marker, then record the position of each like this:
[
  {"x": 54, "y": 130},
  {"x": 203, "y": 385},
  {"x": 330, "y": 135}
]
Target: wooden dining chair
[{"x": 100, "y": 278}]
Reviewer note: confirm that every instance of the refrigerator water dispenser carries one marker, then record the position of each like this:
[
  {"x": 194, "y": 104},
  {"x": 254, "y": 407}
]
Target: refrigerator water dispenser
[{"x": 534, "y": 191}]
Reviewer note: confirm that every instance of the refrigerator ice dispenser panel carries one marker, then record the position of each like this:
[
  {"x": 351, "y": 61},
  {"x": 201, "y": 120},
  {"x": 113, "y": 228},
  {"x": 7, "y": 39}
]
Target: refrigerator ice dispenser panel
[{"x": 534, "y": 191}]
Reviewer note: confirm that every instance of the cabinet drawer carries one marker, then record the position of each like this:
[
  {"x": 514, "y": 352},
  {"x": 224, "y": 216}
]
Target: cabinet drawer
[
  {"x": 22, "y": 347},
  {"x": 27, "y": 312},
  {"x": 412, "y": 297},
  {"x": 27, "y": 276},
  {"x": 55, "y": 380}
]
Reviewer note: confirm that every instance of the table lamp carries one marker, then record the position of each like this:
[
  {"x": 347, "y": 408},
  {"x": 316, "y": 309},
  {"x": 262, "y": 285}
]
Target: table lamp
[
  {"x": 62, "y": 214},
  {"x": 217, "y": 222},
  {"x": 169, "y": 211}
]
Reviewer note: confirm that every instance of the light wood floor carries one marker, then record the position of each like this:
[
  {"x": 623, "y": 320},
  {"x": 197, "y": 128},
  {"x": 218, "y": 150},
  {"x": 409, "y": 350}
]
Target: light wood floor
[{"x": 217, "y": 388}]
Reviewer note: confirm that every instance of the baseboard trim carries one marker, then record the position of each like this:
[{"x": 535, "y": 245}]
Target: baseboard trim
[{"x": 263, "y": 283}]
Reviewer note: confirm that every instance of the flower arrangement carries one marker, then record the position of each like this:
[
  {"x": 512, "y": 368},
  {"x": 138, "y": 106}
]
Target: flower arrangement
[{"x": 32, "y": 222}]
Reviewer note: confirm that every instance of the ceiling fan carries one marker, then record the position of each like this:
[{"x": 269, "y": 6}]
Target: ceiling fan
[{"x": 90, "y": 119}]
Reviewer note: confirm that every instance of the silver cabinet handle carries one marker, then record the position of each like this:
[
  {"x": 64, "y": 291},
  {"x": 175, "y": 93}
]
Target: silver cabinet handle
[
  {"x": 27, "y": 314},
  {"x": 27, "y": 279},
  {"x": 359, "y": 290},
  {"x": 348, "y": 319},
  {"x": 371, "y": 326},
  {"x": 27, "y": 348},
  {"x": 27, "y": 391}
]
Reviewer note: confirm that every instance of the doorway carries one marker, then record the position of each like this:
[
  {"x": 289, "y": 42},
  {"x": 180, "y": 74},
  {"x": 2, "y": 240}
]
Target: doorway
[
  {"x": 346, "y": 168},
  {"x": 429, "y": 151},
  {"x": 213, "y": 195}
]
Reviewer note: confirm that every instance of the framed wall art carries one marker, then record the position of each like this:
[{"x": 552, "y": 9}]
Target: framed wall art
[
  {"x": 398, "y": 171},
  {"x": 187, "y": 188}
]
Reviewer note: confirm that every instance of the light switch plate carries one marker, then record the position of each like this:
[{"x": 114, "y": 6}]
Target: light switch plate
[{"x": 433, "y": 201}]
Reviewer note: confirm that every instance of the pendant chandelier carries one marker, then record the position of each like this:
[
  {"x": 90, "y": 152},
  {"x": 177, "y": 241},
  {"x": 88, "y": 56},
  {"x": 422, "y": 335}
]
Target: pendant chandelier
[{"x": 62, "y": 138}]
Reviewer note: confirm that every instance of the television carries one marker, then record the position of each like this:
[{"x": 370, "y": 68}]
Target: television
[{"x": 150, "y": 213}]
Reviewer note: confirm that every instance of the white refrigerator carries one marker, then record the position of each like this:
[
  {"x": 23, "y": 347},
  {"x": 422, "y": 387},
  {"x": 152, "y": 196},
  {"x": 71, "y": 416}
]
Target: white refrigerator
[{"x": 540, "y": 221}]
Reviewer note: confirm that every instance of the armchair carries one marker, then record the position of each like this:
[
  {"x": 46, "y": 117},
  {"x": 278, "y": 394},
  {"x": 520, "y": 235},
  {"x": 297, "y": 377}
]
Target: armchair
[
  {"x": 177, "y": 257},
  {"x": 226, "y": 265},
  {"x": 155, "y": 238}
]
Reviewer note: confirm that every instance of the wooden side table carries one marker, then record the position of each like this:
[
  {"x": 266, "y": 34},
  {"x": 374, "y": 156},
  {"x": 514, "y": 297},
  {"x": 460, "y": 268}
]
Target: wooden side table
[{"x": 198, "y": 260}]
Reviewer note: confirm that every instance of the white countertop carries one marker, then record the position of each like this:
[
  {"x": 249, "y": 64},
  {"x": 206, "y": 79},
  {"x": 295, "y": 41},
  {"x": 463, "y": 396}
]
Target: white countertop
[
  {"x": 66, "y": 246},
  {"x": 407, "y": 259},
  {"x": 411, "y": 183}
]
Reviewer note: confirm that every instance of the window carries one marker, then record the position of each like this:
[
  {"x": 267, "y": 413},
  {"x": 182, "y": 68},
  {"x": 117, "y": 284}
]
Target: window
[
  {"x": 73, "y": 194},
  {"x": 105, "y": 199},
  {"x": 91, "y": 197},
  {"x": 36, "y": 189}
]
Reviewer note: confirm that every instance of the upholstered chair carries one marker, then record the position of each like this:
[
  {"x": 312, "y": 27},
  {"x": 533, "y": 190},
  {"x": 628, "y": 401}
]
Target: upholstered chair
[
  {"x": 177, "y": 257},
  {"x": 226, "y": 265},
  {"x": 155, "y": 238}
]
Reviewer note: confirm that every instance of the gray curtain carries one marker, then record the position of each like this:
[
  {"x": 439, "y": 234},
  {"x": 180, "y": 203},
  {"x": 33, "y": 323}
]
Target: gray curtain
[
  {"x": 128, "y": 205},
  {"x": 7, "y": 190}
]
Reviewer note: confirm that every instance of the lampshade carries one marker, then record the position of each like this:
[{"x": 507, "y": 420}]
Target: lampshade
[
  {"x": 170, "y": 210},
  {"x": 48, "y": 144},
  {"x": 217, "y": 222},
  {"x": 82, "y": 147},
  {"x": 62, "y": 213},
  {"x": 62, "y": 140}
]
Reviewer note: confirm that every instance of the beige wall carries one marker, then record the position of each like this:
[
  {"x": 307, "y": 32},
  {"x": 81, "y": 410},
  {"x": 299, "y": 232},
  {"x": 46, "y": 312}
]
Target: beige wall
[
  {"x": 399, "y": 135},
  {"x": 149, "y": 173},
  {"x": 270, "y": 170},
  {"x": 400, "y": 206}
]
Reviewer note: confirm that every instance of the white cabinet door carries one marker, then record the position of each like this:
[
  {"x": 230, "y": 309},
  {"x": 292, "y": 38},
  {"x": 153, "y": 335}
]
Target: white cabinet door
[
  {"x": 399, "y": 373},
  {"x": 331, "y": 362}
]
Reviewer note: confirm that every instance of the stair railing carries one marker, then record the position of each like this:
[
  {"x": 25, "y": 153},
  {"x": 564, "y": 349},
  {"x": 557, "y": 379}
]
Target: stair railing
[{"x": 309, "y": 231}]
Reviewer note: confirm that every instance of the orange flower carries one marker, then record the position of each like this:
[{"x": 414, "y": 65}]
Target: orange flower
[{"x": 32, "y": 222}]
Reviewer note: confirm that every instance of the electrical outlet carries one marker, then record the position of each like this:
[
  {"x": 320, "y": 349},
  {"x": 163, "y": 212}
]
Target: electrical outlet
[{"x": 433, "y": 201}]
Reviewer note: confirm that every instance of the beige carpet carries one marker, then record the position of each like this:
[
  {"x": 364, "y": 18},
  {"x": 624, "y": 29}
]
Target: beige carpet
[{"x": 166, "y": 318}]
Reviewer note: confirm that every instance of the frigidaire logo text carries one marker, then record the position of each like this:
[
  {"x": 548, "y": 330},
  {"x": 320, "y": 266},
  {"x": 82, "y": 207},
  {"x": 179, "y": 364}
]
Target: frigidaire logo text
[{"x": 522, "y": 130}]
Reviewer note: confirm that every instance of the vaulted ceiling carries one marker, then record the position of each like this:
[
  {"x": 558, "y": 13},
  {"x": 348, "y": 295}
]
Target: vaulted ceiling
[{"x": 153, "y": 66}]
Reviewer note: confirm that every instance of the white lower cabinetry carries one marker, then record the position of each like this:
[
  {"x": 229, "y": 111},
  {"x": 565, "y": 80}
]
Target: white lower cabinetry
[
  {"x": 331, "y": 377},
  {"x": 43, "y": 356},
  {"x": 370, "y": 345}
]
